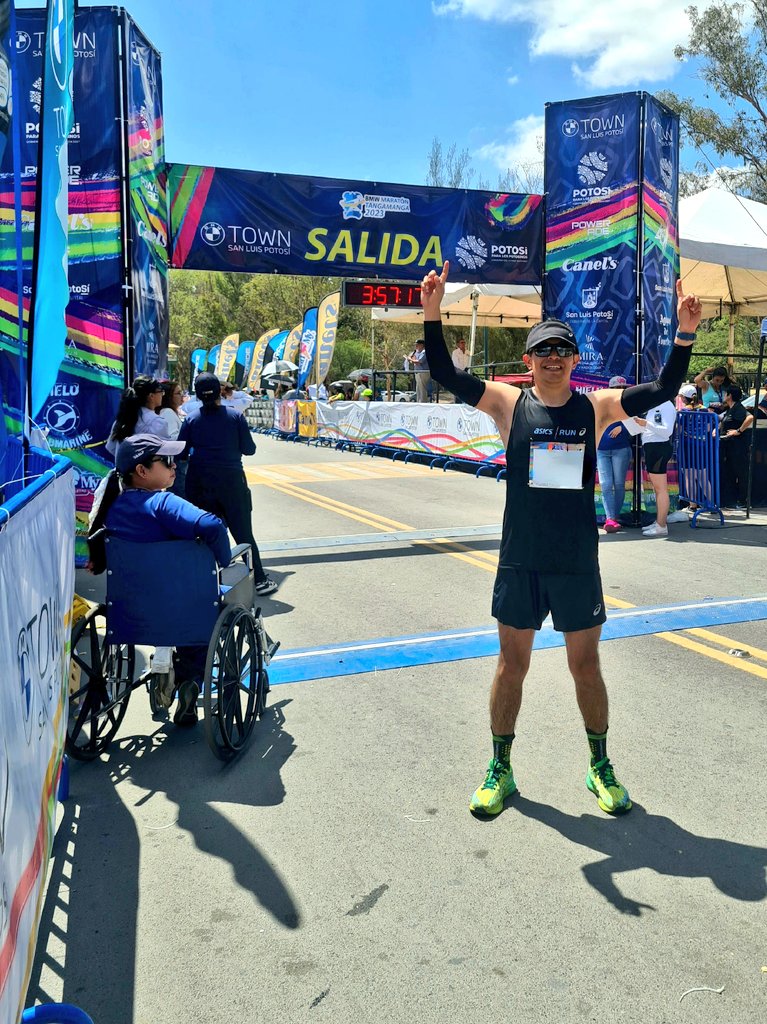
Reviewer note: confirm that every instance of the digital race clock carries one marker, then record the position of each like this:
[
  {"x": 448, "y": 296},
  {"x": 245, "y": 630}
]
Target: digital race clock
[{"x": 376, "y": 294}]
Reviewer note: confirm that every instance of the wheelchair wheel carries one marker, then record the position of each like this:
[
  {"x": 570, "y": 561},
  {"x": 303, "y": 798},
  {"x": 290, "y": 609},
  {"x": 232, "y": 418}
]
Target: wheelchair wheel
[
  {"x": 234, "y": 682},
  {"x": 100, "y": 686}
]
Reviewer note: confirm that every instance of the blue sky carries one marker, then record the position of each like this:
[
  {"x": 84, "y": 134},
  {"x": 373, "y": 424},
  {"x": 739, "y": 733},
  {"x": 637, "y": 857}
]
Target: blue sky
[{"x": 355, "y": 89}]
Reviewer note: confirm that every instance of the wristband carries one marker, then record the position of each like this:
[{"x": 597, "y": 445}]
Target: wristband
[{"x": 686, "y": 335}]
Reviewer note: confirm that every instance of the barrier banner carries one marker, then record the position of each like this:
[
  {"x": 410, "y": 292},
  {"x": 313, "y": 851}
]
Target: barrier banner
[
  {"x": 197, "y": 362},
  {"x": 308, "y": 346},
  {"x": 226, "y": 356},
  {"x": 80, "y": 408},
  {"x": 292, "y": 344},
  {"x": 50, "y": 286},
  {"x": 150, "y": 315},
  {"x": 592, "y": 182},
  {"x": 36, "y": 589},
  {"x": 254, "y": 376},
  {"x": 258, "y": 222},
  {"x": 307, "y": 418},
  {"x": 213, "y": 359},
  {"x": 455, "y": 430},
  {"x": 660, "y": 223},
  {"x": 244, "y": 361},
  {"x": 327, "y": 322},
  {"x": 285, "y": 414}
]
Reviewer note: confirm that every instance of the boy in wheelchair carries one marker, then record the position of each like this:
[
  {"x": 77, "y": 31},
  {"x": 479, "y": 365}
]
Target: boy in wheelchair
[{"x": 145, "y": 511}]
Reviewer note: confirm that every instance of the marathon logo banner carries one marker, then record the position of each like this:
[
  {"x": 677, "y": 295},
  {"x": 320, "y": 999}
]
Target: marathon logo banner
[
  {"x": 80, "y": 408},
  {"x": 660, "y": 230},
  {"x": 148, "y": 205},
  {"x": 256, "y": 222},
  {"x": 592, "y": 182}
]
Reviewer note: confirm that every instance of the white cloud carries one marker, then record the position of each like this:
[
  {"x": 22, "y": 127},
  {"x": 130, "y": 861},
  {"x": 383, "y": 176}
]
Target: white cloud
[
  {"x": 511, "y": 78},
  {"x": 524, "y": 145},
  {"x": 610, "y": 44}
]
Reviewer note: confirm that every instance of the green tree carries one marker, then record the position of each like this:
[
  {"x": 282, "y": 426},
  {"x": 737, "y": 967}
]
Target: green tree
[{"x": 730, "y": 42}]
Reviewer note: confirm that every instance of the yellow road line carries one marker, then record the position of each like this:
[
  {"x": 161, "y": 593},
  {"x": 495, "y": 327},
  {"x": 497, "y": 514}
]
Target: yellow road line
[{"x": 488, "y": 562}]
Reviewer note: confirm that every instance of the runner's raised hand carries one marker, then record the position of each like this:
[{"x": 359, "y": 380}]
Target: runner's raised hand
[
  {"x": 433, "y": 291},
  {"x": 688, "y": 310}
]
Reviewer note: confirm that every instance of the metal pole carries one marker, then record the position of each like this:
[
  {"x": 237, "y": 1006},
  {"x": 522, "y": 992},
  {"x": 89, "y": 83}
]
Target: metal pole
[{"x": 474, "y": 311}]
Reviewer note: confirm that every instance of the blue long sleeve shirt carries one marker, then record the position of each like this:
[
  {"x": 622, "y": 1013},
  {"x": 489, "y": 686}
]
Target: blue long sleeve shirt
[
  {"x": 218, "y": 438},
  {"x": 148, "y": 516}
]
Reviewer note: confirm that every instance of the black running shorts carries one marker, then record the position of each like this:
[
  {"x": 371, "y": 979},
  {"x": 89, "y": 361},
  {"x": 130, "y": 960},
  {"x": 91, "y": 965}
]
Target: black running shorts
[
  {"x": 522, "y": 598},
  {"x": 657, "y": 455}
]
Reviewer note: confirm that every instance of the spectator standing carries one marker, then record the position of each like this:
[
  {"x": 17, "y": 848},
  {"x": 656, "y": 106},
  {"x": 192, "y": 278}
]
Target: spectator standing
[
  {"x": 217, "y": 437},
  {"x": 172, "y": 411},
  {"x": 712, "y": 388},
  {"x": 461, "y": 359},
  {"x": 239, "y": 400},
  {"x": 687, "y": 399},
  {"x": 657, "y": 428},
  {"x": 138, "y": 413},
  {"x": 613, "y": 458},
  {"x": 420, "y": 366},
  {"x": 734, "y": 446}
]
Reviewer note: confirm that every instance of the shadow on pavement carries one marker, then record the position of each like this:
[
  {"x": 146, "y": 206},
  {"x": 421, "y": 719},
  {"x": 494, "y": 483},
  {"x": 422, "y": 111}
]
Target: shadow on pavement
[
  {"x": 88, "y": 931},
  {"x": 642, "y": 840}
]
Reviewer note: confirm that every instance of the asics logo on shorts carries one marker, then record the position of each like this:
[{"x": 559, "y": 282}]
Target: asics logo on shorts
[{"x": 598, "y": 609}]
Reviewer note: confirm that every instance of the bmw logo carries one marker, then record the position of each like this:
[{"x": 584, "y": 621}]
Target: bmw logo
[
  {"x": 62, "y": 418},
  {"x": 23, "y": 41},
  {"x": 570, "y": 127},
  {"x": 212, "y": 233}
]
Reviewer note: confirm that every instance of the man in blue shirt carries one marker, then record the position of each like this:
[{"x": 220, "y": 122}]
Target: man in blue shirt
[{"x": 147, "y": 511}]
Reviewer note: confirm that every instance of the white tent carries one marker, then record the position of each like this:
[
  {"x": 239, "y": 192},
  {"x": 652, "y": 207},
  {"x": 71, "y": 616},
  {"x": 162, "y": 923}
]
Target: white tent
[{"x": 723, "y": 245}]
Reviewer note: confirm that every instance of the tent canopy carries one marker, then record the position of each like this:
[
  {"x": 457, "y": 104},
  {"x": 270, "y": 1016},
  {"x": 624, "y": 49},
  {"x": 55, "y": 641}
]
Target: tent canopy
[
  {"x": 723, "y": 245},
  {"x": 498, "y": 305}
]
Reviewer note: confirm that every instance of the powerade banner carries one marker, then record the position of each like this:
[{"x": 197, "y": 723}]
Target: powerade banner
[
  {"x": 81, "y": 406},
  {"x": 244, "y": 360},
  {"x": 197, "y": 363},
  {"x": 327, "y": 322},
  {"x": 50, "y": 288},
  {"x": 308, "y": 346},
  {"x": 148, "y": 205},
  {"x": 660, "y": 220},
  {"x": 226, "y": 356},
  {"x": 256, "y": 222},
  {"x": 592, "y": 183}
]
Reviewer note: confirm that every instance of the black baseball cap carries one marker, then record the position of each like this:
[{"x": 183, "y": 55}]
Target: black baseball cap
[
  {"x": 140, "y": 447},
  {"x": 553, "y": 331},
  {"x": 207, "y": 384}
]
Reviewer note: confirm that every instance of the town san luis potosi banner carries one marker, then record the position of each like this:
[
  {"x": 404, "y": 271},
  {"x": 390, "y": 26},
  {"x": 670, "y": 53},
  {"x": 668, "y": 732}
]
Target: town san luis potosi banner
[{"x": 256, "y": 222}]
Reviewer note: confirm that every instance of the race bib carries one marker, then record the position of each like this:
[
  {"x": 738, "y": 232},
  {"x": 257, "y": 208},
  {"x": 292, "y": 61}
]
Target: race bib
[{"x": 556, "y": 465}]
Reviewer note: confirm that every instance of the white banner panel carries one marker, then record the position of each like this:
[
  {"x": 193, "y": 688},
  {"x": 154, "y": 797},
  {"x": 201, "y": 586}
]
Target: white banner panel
[
  {"x": 458, "y": 431},
  {"x": 36, "y": 588}
]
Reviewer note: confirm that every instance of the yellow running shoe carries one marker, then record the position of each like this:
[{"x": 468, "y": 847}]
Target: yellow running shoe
[
  {"x": 499, "y": 783},
  {"x": 612, "y": 797}
]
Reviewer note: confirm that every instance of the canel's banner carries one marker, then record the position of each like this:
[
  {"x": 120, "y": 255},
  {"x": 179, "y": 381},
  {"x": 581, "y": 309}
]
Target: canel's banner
[
  {"x": 254, "y": 375},
  {"x": 244, "y": 360},
  {"x": 259, "y": 222},
  {"x": 308, "y": 346},
  {"x": 327, "y": 322},
  {"x": 213, "y": 358},
  {"x": 227, "y": 356},
  {"x": 592, "y": 182},
  {"x": 660, "y": 219},
  {"x": 292, "y": 344},
  {"x": 36, "y": 589},
  {"x": 50, "y": 286},
  {"x": 148, "y": 204},
  {"x": 455, "y": 430},
  {"x": 198, "y": 360},
  {"x": 80, "y": 408}
]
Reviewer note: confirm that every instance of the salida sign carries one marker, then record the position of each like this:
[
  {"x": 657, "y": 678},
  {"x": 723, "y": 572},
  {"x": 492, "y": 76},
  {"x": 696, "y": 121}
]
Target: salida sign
[{"x": 265, "y": 223}]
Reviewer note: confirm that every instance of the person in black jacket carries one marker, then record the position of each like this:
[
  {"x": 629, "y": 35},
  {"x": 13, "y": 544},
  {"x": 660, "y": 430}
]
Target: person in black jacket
[
  {"x": 217, "y": 437},
  {"x": 549, "y": 551},
  {"x": 734, "y": 444}
]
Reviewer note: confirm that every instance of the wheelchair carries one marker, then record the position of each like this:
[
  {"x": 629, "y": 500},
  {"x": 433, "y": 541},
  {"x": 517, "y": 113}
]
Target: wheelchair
[{"x": 169, "y": 594}]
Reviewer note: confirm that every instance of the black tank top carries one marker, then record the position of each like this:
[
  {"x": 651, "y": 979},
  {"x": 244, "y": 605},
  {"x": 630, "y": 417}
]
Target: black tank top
[{"x": 544, "y": 528}]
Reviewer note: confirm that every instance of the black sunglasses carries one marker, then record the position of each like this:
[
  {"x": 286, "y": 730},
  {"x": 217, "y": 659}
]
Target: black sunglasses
[
  {"x": 167, "y": 460},
  {"x": 542, "y": 351}
]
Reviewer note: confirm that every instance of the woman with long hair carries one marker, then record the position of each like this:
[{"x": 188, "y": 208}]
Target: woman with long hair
[
  {"x": 137, "y": 413},
  {"x": 172, "y": 412}
]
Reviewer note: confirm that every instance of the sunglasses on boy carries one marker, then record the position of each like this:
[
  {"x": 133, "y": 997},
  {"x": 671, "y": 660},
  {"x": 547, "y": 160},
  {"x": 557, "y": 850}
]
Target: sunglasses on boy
[{"x": 563, "y": 351}]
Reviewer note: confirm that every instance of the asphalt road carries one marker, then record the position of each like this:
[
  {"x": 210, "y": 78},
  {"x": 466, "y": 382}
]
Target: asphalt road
[{"x": 334, "y": 873}]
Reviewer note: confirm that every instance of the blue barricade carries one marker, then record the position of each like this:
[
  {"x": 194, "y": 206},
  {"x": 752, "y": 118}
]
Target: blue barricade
[{"x": 698, "y": 461}]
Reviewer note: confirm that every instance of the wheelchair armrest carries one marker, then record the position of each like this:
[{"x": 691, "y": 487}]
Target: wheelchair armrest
[{"x": 243, "y": 549}]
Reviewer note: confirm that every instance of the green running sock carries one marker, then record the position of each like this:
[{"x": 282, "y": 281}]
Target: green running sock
[
  {"x": 502, "y": 748},
  {"x": 598, "y": 745}
]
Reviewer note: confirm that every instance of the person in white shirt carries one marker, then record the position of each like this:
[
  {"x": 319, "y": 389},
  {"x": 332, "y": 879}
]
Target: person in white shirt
[
  {"x": 173, "y": 411},
  {"x": 239, "y": 400},
  {"x": 318, "y": 394},
  {"x": 657, "y": 428},
  {"x": 138, "y": 413},
  {"x": 461, "y": 360}
]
